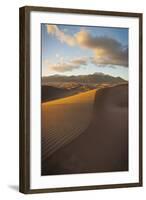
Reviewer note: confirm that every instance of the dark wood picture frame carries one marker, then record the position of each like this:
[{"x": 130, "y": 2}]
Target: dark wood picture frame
[{"x": 24, "y": 142}]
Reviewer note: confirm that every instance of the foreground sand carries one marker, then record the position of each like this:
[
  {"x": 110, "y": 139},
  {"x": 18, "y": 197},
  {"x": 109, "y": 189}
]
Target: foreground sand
[
  {"x": 103, "y": 145},
  {"x": 65, "y": 119}
]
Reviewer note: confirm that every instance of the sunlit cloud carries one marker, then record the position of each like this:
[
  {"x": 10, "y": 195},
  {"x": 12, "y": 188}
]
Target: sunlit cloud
[
  {"x": 63, "y": 37},
  {"x": 106, "y": 50},
  {"x": 65, "y": 66}
]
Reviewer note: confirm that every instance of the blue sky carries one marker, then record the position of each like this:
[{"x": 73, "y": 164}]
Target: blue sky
[{"x": 74, "y": 50}]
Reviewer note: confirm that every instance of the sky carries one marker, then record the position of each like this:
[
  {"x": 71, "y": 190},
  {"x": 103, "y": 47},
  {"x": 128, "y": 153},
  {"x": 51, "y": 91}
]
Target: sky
[{"x": 80, "y": 50}]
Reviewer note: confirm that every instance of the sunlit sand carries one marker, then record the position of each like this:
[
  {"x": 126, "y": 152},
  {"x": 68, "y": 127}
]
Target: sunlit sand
[{"x": 65, "y": 119}]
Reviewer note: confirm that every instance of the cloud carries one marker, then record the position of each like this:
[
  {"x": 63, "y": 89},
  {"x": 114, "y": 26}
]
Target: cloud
[
  {"x": 54, "y": 30},
  {"x": 111, "y": 58},
  {"x": 64, "y": 66},
  {"x": 80, "y": 61},
  {"x": 106, "y": 50}
]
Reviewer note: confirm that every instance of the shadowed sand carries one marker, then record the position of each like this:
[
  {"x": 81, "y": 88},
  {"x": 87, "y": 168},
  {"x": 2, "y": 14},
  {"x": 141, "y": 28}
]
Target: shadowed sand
[
  {"x": 50, "y": 93},
  {"x": 103, "y": 146}
]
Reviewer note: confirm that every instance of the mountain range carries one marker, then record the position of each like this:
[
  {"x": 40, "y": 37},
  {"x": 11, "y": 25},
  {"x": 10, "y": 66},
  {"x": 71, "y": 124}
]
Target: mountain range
[{"x": 88, "y": 79}]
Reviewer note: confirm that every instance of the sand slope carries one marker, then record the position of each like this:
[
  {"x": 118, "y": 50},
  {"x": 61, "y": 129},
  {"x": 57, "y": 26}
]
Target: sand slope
[
  {"x": 103, "y": 147},
  {"x": 65, "y": 119}
]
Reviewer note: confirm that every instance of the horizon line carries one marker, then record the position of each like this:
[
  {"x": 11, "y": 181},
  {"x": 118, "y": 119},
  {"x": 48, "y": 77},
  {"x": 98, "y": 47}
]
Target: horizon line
[{"x": 84, "y": 75}]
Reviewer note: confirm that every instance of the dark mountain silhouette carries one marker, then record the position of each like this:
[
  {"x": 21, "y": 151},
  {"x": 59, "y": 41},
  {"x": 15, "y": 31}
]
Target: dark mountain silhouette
[{"x": 88, "y": 79}]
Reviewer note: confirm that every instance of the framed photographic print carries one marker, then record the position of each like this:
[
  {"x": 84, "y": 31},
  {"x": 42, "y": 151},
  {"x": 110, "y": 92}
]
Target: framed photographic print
[{"x": 80, "y": 99}]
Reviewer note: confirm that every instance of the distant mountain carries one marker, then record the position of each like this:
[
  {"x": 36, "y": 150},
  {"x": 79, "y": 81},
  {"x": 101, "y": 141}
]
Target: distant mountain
[{"x": 86, "y": 79}]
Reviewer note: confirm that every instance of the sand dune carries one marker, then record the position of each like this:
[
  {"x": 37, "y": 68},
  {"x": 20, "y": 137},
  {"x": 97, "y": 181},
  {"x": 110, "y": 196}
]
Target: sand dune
[
  {"x": 65, "y": 119},
  {"x": 51, "y": 93},
  {"x": 102, "y": 146}
]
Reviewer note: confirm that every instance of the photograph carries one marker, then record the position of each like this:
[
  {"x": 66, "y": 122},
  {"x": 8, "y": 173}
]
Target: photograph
[
  {"x": 80, "y": 99},
  {"x": 84, "y": 99}
]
